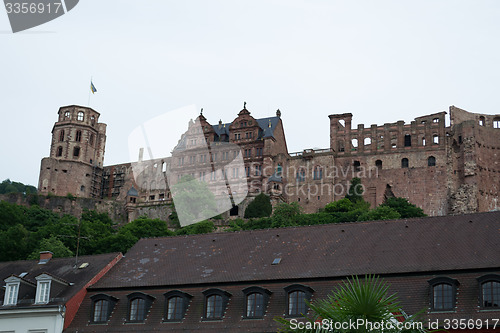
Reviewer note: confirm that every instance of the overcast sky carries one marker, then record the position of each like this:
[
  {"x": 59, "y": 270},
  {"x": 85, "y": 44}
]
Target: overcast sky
[{"x": 382, "y": 61}]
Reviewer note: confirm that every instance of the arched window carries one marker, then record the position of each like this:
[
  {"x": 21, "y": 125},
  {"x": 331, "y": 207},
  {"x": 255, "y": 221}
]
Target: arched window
[
  {"x": 423, "y": 141},
  {"x": 431, "y": 161},
  {"x": 138, "y": 306},
  {"x": 67, "y": 115},
  {"x": 317, "y": 173},
  {"x": 176, "y": 304},
  {"x": 435, "y": 139},
  {"x": 496, "y": 122},
  {"x": 297, "y": 296},
  {"x": 354, "y": 144},
  {"x": 59, "y": 151},
  {"x": 80, "y": 116},
  {"x": 443, "y": 293},
  {"x": 481, "y": 121},
  {"x": 256, "y": 301},
  {"x": 407, "y": 140},
  {"x": 378, "y": 164},
  {"x": 61, "y": 136},
  {"x": 404, "y": 163},
  {"x": 215, "y": 303},
  {"x": 490, "y": 291},
  {"x": 102, "y": 306}
]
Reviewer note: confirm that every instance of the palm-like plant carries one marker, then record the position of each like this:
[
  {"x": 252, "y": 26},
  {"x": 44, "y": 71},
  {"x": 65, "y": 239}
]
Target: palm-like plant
[{"x": 355, "y": 301}]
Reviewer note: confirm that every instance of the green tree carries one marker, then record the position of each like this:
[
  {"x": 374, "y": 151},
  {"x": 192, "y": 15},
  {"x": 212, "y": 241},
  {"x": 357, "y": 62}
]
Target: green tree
[
  {"x": 285, "y": 214},
  {"x": 145, "y": 227},
  {"x": 259, "y": 207},
  {"x": 355, "y": 192},
  {"x": 15, "y": 243},
  {"x": 203, "y": 227},
  {"x": 54, "y": 245},
  {"x": 193, "y": 200},
  {"x": 404, "y": 207},
  {"x": 353, "y": 300},
  {"x": 380, "y": 213}
]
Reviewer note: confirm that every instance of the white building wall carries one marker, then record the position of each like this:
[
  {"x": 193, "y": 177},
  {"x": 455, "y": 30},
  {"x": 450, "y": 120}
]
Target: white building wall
[{"x": 48, "y": 320}]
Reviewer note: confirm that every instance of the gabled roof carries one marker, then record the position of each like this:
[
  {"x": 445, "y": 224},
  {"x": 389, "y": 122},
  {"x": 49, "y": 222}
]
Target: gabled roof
[
  {"x": 267, "y": 125},
  {"x": 62, "y": 269},
  {"x": 430, "y": 244}
]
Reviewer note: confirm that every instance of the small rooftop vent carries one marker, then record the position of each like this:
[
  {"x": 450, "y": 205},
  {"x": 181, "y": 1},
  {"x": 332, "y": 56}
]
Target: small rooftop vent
[
  {"x": 23, "y": 274},
  {"x": 276, "y": 261},
  {"x": 84, "y": 265}
]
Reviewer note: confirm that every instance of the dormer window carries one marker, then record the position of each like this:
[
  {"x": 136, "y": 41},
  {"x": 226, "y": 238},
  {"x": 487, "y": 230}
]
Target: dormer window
[
  {"x": 43, "y": 292},
  {"x": 11, "y": 293}
]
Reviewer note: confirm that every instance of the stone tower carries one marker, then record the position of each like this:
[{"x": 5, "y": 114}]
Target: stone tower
[{"x": 76, "y": 156}]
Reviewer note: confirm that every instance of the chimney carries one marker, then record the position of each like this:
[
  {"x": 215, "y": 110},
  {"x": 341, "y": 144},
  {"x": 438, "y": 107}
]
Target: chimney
[{"x": 45, "y": 256}]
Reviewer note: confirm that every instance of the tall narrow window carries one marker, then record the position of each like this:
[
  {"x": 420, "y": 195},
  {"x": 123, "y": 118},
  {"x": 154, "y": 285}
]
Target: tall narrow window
[
  {"x": 423, "y": 141},
  {"x": 301, "y": 175},
  {"x": 279, "y": 170},
  {"x": 67, "y": 115},
  {"x": 80, "y": 116},
  {"x": 137, "y": 310},
  {"x": 481, "y": 121},
  {"x": 11, "y": 294},
  {"x": 61, "y": 136},
  {"x": 435, "y": 139},
  {"x": 91, "y": 140},
  {"x": 317, "y": 173},
  {"x": 431, "y": 161},
  {"x": 496, "y": 123},
  {"x": 407, "y": 140},
  {"x": 357, "y": 166},
  {"x": 378, "y": 164},
  {"x": 78, "y": 136},
  {"x": 404, "y": 163},
  {"x": 76, "y": 151},
  {"x": 59, "y": 151},
  {"x": 42, "y": 292},
  {"x": 92, "y": 120}
]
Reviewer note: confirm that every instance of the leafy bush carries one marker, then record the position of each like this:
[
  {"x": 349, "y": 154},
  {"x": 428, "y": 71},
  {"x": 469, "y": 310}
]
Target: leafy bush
[{"x": 259, "y": 207}]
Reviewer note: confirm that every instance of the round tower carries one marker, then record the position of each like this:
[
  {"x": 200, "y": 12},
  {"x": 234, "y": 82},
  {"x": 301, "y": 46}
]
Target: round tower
[{"x": 76, "y": 158}]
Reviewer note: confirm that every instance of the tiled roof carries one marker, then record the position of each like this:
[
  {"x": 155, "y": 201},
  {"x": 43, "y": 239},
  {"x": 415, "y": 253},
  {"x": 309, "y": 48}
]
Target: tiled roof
[
  {"x": 268, "y": 125},
  {"x": 63, "y": 269},
  {"x": 430, "y": 244}
]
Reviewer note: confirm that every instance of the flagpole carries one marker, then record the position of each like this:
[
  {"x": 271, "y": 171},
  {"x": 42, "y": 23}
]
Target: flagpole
[{"x": 88, "y": 103}]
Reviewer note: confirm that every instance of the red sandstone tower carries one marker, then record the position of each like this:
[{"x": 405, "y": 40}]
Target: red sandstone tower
[{"x": 76, "y": 154}]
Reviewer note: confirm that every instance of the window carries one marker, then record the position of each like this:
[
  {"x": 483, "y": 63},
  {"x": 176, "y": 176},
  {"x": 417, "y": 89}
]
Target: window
[
  {"x": 378, "y": 164},
  {"x": 258, "y": 170},
  {"x": 435, "y": 120},
  {"x": 43, "y": 290},
  {"x": 404, "y": 163},
  {"x": 431, "y": 161},
  {"x": 76, "y": 151},
  {"x": 481, "y": 121},
  {"x": 301, "y": 175},
  {"x": 317, "y": 173},
  {"x": 139, "y": 305},
  {"x": 237, "y": 136},
  {"x": 11, "y": 294},
  {"x": 423, "y": 141},
  {"x": 80, "y": 116},
  {"x": 102, "y": 306},
  {"x": 496, "y": 122},
  {"x": 435, "y": 139},
  {"x": 61, "y": 136},
  {"x": 443, "y": 293},
  {"x": 67, "y": 115},
  {"x": 176, "y": 304},
  {"x": 490, "y": 291},
  {"x": 357, "y": 166},
  {"x": 78, "y": 136},
  {"x": 91, "y": 140},
  {"x": 258, "y": 151},
  {"x": 92, "y": 120},
  {"x": 59, "y": 151},
  {"x": 279, "y": 170},
  {"x": 407, "y": 140},
  {"x": 257, "y": 299},
  {"x": 215, "y": 303},
  {"x": 297, "y": 296}
]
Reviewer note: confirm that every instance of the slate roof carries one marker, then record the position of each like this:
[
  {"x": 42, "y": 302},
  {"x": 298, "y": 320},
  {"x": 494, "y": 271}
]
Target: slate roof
[
  {"x": 268, "y": 125},
  {"x": 63, "y": 269},
  {"x": 429, "y": 244}
]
